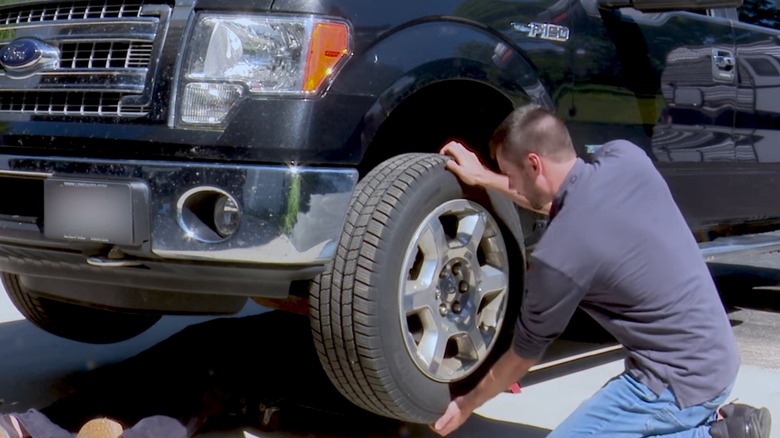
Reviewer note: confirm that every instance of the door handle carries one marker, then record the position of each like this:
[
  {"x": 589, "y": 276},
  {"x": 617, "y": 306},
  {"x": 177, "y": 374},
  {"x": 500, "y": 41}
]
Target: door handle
[{"x": 723, "y": 65}]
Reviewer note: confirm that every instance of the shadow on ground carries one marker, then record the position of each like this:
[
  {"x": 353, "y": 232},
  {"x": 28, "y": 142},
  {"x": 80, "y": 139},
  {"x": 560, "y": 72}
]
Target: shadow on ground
[
  {"x": 237, "y": 373},
  {"x": 752, "y": 287}
]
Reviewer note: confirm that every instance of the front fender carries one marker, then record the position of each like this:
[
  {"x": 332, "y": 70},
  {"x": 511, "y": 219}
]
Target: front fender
[{"x": 413, "y": 57}]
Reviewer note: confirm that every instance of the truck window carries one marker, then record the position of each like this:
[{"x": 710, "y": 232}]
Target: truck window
[{"x": 762, "y": 13}]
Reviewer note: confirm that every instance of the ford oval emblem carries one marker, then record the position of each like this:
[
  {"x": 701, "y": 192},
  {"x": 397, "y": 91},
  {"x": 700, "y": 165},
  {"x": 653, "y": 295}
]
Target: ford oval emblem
[{"x": 25, "y": 53}]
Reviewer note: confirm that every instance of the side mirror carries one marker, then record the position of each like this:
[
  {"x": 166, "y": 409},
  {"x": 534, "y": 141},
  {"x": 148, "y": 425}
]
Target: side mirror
[{"x": 669, "y": 5}]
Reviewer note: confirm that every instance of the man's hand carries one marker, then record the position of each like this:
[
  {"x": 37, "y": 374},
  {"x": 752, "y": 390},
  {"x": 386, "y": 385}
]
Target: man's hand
[
  {"x": 452, "y": 418},
  {"x": 466, "y": 165}
]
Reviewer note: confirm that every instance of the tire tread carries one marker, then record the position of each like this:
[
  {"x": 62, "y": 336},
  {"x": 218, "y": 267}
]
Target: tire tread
[{"x": 344, "y": 324}]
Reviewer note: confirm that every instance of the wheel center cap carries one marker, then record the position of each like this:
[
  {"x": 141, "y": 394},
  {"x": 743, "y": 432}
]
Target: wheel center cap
[{"x": 453, "y": 281}]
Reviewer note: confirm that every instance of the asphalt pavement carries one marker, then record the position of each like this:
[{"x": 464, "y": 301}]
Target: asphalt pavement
[{"x": 248, "y": 380}]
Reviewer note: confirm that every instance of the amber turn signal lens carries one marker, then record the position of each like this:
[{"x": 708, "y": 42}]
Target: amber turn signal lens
[{"x": 329, "y": 44}]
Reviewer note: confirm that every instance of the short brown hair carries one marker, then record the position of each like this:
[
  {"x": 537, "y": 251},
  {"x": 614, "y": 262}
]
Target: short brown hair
[{"x": 532, "y": 128}]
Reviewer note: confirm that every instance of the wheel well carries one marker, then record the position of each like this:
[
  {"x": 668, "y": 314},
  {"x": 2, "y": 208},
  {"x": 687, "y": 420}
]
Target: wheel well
[{"x": 464, "y": 110}]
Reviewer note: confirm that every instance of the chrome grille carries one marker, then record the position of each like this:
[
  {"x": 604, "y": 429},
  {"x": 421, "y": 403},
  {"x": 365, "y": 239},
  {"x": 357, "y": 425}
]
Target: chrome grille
[
  {"x": 106, "y": 55},
  {"x": 71, "y": 11},
  {"x": 73, "y": 103},
  {"x": 107, "y": 52}
]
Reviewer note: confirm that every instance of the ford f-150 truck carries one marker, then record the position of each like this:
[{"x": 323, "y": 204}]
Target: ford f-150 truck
[{"x": 184, "y": 156}]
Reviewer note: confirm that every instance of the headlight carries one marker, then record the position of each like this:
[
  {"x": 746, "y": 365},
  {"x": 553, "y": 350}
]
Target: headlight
[{"x": 230, "y": 57}]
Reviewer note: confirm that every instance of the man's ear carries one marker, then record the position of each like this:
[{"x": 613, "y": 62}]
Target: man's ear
[{"x": 535, "y": 163}]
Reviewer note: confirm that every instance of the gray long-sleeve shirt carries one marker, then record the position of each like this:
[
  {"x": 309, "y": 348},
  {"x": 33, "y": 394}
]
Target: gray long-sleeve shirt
[{"x": 618, "y": 247}]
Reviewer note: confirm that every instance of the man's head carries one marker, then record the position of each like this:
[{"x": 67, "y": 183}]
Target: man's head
[{"x": 535, "y": 151}]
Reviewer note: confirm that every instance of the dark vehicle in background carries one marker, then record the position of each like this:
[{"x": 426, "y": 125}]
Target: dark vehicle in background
[{"x": 184, "y": 156}]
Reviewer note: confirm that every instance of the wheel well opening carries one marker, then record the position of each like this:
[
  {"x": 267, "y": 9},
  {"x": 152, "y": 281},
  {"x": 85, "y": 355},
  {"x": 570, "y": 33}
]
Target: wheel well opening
[{"x": 461, "y": 110}]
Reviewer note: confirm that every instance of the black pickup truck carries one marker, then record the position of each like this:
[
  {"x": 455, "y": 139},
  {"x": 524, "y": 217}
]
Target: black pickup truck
[{"x": 184, "y": 156}]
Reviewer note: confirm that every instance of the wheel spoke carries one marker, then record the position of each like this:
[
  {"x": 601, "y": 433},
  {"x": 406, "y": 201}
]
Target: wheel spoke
[
  {"x": 491, "y": 281},
  {"x": 418, "y": 296},
  {"x": 433, "y": 240},
  {"x": 476, "y": 339},
  {"x": 489, "y": 296},
  {"x": 433, "y": 347},
  {"x": 419, "y": 292},
  {"x": 471, "y": 228}
]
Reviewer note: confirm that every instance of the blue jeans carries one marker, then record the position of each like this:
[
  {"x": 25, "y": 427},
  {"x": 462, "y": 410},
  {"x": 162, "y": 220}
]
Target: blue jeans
[{"x": 625, "y": 407}]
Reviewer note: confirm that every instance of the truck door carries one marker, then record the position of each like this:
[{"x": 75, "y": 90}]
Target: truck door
[
  {"x": 667, "y": 82},
  {"x": 757, "y": 130}
]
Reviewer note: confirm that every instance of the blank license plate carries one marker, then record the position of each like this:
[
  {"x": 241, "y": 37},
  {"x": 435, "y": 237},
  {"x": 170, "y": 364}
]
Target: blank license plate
[{"x": 89, "y": 211}]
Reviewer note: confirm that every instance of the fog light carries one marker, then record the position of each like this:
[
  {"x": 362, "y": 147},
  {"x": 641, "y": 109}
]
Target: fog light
[
  {"x": 226, "y": 216},
  {"x": 208, "y": 214},
  {"x": 209, "y": 104}
]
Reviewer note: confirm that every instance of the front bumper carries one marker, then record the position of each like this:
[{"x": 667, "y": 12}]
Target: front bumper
[{"x": 291, "y": 217}]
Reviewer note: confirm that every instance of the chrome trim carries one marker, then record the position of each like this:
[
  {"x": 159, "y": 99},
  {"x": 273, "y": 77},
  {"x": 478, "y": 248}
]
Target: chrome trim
[
  {"x": 732, "y": 246},
  {"x": 102, "y": 262},
  {"x": 196, "y": 231},
  {"x": 136, "y": 29},
  {"x": 273, "y": 229},
  {"x": 17, "y": 173},
  {"x": 54, "y": 10},
  {"x": 13, "y": 3},
  {"x": 544, "y": 31},
  {"x": 124, "y": 82}
]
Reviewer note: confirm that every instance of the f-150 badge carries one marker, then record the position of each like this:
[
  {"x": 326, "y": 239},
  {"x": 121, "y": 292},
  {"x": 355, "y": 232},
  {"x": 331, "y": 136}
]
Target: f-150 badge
[{"x": 545, "y": 31}]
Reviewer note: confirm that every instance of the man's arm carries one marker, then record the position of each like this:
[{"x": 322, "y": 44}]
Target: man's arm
[
  {"x": 550, "y": 301},
  {"x": 508, "y": 369},
  {"x": 467, "y": 166}
]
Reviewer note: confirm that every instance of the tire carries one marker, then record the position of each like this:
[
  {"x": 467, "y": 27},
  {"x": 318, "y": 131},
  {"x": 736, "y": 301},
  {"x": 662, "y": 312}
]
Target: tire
[
  {"x": 73, "y": 321},
  {"x": 393, "y": 329}
]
